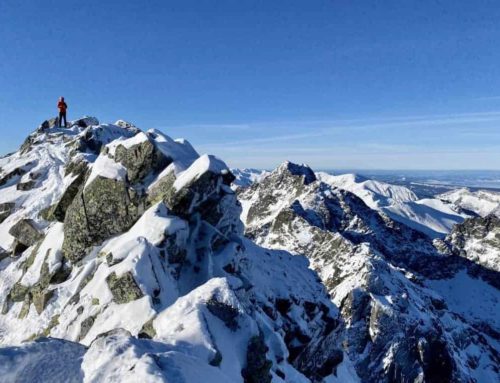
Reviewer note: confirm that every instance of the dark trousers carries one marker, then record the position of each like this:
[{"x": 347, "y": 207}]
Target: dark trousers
[{"x": 61, "y": 116}]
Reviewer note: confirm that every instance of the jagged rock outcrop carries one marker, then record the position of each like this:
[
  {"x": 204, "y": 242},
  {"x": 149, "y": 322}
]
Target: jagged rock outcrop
[
  {"x": 140, "y": 159},
  {"x": 104, "y": 208},
  {"x": 124, "y": 288},
  {"x": 58, "y": 211},
  {"x": 26, "y": 232},
  {"x": 478, "y": 239},
  {"x": 393, "y": 285},
  {"x": 140, "y": 258},
  {"x": 196, "y": 190}
]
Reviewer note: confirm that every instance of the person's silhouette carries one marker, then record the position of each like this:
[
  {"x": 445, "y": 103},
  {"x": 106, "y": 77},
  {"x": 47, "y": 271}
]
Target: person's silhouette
[{"x": 62, "y": 106}]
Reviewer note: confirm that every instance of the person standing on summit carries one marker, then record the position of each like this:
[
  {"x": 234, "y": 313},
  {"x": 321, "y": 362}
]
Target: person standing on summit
[{"x": 62, "y": 106}]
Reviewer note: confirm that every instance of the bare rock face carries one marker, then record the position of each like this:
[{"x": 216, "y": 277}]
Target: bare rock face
[
  {"x": 14, "y": 174},
  {"x": 147, "y": 238},
  {"x": 26, "y": 232},
  {"x": 105, "y": 208},
  {"x": 199, "y": 191},
  {"x": 258, "y": 367},
  {"x": 85, "y": 122},
  {"x": 140, "y": 160},
  {"x": 59, "y": 210},
  {"x": 124, "y": 288}
]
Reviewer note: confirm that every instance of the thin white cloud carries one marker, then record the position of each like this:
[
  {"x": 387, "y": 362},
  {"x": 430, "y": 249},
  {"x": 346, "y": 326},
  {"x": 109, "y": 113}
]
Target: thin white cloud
[{"x": 400, "y": 123}]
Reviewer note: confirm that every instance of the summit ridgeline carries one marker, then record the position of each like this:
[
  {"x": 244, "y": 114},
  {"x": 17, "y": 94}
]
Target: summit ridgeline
[{"x": 128, "y": 247}]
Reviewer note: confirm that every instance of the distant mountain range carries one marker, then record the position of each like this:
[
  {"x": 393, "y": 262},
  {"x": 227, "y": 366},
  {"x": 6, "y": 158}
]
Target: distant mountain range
[{"x": 434, "y": 215}]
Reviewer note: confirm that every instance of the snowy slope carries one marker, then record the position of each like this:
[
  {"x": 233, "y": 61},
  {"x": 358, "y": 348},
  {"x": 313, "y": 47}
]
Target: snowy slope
[
  {"x": 246, "y": 177},
  {"x": 433, "y": 217},
  {"x": 482, "y": 202},
  {"x": 375, "y": 194},
  {"x": 129, "y": 250}
]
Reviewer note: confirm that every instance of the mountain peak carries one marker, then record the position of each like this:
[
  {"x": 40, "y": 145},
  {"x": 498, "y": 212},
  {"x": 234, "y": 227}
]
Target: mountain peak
[{"x": 298, "y": 170}]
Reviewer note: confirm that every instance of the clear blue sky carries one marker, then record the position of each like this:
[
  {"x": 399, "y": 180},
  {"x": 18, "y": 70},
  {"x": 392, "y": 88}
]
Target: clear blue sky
[{"x": 336, "y": 84}]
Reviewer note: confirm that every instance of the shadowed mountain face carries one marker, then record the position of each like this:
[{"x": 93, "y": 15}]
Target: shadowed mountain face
[{"x": 412, "y": 308}]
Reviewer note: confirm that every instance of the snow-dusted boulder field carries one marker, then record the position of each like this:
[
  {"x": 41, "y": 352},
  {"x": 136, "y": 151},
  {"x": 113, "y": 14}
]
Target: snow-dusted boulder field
[{"x": 123, "y": 260}]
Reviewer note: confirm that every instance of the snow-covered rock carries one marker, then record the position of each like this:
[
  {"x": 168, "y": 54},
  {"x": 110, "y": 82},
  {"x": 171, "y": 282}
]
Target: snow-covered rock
[
  {"x": 433, "y": 217},
  {"x": 246, "y": 177},
  {"x": 129, "y": 250},
  {"x": 478, "y": 239},
  {"x": 481, "y": 202},
  {"x": 397, "y": 290}
]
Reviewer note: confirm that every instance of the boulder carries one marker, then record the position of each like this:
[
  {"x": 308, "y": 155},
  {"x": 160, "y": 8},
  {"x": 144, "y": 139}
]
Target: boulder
[
  {"x": 147, "y": 331},
  {"x": 18, "y": 292},
  {"x": 198, "y": 185},
  {"x": 26, "y": 232},
  {"x": 60, "y": 208},
  {"x": 124, "y": 124},
  {"x": 85, "y": 327},
  {"x": 18, "y": 172},
  {"x": 140, "y": 160},
  {"x": 124, "y": 288},
  {"x": 40, "y": 296},
  {"x": 47, "y": 124},
  {"x": 25, "y": 186},
  {"x": 76, "y": 168},
  {"x": 99, "y": 211},
  {"x": 225, "y": 312},
  {"x": 85, "y": 122}
]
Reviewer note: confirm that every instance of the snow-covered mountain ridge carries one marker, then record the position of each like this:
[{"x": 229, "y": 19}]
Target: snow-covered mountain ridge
[
  {"x": 127, "y": 246},
  {"x": 123, "y": 258},
  {"x": 414, "y": 309},
  {"x": 481, "y": 202}
]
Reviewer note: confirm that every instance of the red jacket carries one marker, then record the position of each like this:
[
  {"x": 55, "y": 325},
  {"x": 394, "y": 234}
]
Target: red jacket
[{"x": 62, "y": 106}]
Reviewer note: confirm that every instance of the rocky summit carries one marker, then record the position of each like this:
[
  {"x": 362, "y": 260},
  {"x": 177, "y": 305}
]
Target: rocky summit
[
  {"x": 125, "y": 260},
  {"x": 126, "y": 256}
]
